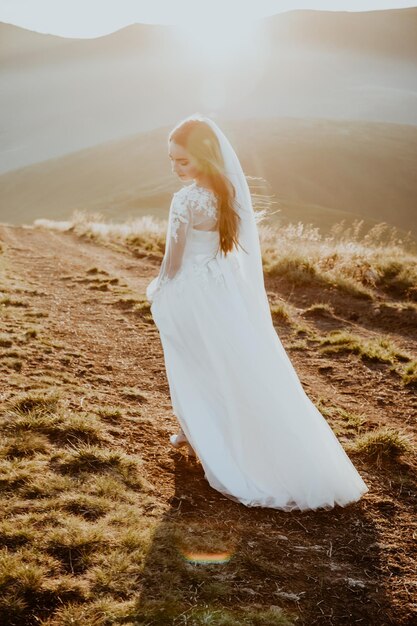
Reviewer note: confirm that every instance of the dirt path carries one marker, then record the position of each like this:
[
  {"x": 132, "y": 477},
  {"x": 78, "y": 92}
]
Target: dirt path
[
  {"x": 109, "y": 348},
  {"x": 347, "y": 566}
]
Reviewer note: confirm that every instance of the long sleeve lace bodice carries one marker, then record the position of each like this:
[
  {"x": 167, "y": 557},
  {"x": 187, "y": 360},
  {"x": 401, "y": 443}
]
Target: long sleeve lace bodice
[{"x": 192, "y": 208}]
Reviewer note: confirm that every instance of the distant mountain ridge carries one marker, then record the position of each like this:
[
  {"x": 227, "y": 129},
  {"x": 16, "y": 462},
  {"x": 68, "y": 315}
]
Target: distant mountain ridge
[
  {"x": 60, "y": 96},
  {"x": 392, "y": 33}
]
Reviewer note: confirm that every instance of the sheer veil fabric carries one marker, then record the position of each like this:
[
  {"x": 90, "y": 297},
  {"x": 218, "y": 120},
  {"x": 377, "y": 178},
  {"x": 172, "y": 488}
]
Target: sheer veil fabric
[{"x": 260, "y": 439}]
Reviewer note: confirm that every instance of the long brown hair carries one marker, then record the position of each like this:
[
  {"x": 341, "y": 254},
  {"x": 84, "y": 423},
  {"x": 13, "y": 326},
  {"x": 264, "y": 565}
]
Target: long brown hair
[{"x": 201, "y": 142}]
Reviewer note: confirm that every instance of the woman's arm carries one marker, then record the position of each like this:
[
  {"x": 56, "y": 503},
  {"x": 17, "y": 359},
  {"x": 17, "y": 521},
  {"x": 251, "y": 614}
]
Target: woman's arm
[{"x": 179, "y": 223}]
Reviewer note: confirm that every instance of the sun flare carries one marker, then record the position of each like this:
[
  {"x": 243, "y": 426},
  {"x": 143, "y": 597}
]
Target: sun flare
[{"x": 218, "y": 40}]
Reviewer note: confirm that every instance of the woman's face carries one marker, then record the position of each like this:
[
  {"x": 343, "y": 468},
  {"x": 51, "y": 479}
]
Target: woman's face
[{"x": 182, "y": 163}]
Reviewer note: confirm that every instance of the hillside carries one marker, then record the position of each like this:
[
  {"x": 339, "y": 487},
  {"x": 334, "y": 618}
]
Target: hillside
[
  {"x": 60, "y": 96},
  {"x": 317, "y": 171},
  {"x": 387, "y": 33},
  {"x": 103, "y": 522}
]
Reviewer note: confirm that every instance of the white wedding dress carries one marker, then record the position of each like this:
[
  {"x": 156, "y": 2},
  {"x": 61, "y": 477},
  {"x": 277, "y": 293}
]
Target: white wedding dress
[{"x": 260, "y": 439}]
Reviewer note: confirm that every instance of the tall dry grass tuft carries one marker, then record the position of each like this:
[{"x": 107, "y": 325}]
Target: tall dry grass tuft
[
  {"x": 377, "y": 349},
  {"x": 348, "y": 259},
  {"x": 382, "y": 445},
  {"x": 143, "y": 235}
]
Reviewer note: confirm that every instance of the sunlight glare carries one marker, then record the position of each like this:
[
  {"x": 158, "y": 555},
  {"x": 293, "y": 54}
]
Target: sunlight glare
[
  {"x": 218, "y": 40},
  {"x": 227, "y": 47}
]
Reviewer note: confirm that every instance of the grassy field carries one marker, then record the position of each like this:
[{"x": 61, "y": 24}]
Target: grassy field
[{"x": 104, "y": 523}]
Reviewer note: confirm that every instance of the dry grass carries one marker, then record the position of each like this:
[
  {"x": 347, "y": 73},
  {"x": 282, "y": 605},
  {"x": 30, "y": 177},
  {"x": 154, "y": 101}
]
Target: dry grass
[
  {"x": 44, "y": 402},
  {"x": 396, "y": 277},
  {"x": 346, "y": 259},
  {"x": 133, "y": 393},
  {"x": 59, "y": 425},
  {"x": 164, "y": 615},
  {"x": 87, "y": 539},
  {"x": 110, "y": 413},
  {"x": 62, "y": 495},
  {"x": 5, "y": 341},
  {"x": 77, "y": 543},
  {"x": 409, "y": 374},
  {"x": 377, "y": 349},
  {"x": 319, "y": 309},
  {"x": 144, "y": 236},
  {"x": 8, "y": 301},
  {"x": 344, "y": 422},
  {"x": 381, "y": 445},
  {"x": 281, "y": 312}
]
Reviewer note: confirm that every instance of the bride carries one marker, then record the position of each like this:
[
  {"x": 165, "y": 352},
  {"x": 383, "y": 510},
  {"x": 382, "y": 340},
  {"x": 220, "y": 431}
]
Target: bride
[{"x": 239, "y": 402}]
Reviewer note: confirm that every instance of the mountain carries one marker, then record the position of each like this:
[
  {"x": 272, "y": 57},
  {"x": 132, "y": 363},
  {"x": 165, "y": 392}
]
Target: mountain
[
  {"x": 60, "y": 96},
  {"x": 316, "y": 170},
  {"x": 385, "y": 34}
]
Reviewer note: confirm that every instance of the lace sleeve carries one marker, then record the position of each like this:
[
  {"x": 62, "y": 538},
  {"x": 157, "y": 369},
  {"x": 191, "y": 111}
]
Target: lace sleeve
[{"x": 179, "y": 222}]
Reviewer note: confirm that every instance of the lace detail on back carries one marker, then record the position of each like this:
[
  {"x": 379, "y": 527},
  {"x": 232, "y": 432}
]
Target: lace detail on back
[{"x": 200, "y": 202}]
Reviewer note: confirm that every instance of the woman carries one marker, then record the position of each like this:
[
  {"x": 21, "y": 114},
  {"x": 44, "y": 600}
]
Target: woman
[{"x": 239, "y": 402}]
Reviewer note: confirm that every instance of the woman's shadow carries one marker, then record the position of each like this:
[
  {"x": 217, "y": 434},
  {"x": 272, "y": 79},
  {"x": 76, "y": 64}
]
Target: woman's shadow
[{"x": 211, "y": 556}]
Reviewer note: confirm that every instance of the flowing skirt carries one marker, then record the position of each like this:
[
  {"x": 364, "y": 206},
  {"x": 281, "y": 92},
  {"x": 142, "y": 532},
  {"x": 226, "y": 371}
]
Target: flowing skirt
[{"x": 260, "y": 439}]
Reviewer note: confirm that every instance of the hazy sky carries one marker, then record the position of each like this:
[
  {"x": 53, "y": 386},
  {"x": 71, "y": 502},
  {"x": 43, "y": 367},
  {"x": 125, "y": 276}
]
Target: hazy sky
[{"x": 93, "y": 18}]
